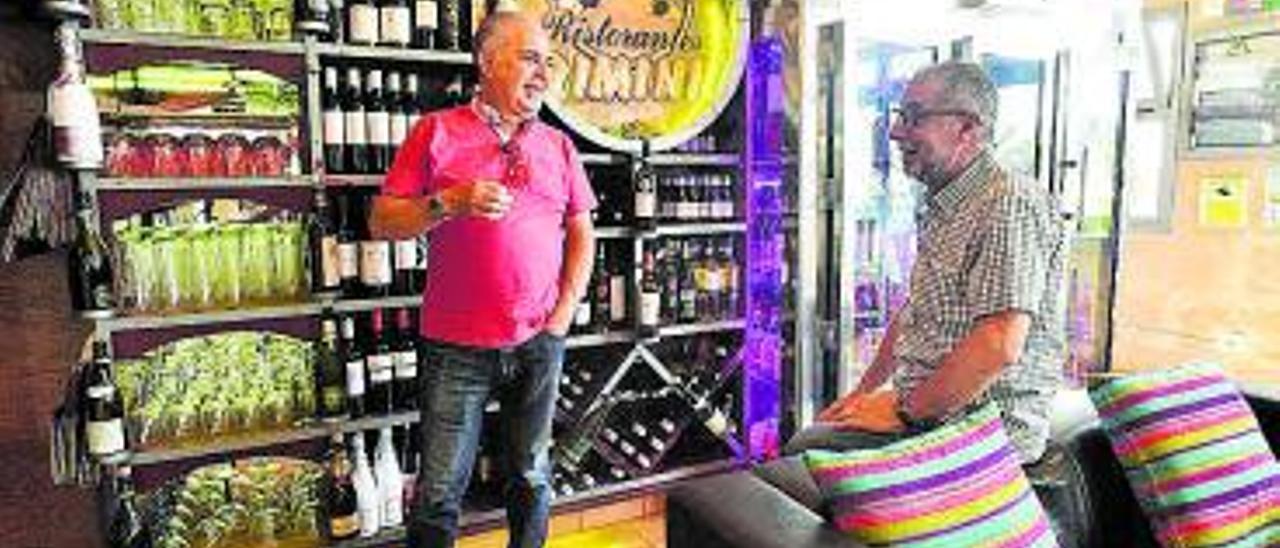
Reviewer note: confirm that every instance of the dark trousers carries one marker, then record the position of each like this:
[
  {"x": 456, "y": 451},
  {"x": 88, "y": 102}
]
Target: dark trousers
[{"x": 457, "y": 382}]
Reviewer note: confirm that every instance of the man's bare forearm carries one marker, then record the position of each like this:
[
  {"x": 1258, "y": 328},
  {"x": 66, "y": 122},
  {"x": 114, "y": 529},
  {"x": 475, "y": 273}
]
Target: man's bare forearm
[
  {"x": 400, "y": 218},
  {"x": 971, "y": 366}
]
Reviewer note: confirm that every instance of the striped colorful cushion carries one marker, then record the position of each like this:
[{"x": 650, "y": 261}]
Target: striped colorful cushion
[
  {"x": 959, "y": 485},
  {"x": 1194, "y": 456}
]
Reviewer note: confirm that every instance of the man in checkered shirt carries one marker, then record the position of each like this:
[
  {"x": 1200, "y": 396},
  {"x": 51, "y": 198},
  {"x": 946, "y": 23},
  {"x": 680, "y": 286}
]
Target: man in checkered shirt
[{"x": 986, "y": 311}]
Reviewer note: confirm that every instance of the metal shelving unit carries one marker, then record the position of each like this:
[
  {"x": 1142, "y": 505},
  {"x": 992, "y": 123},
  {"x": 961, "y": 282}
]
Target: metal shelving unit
[
  {"x": 202, "y": 183},
  {"x": 348, "y": 51},
  {"x": 701, "y": 229},
  {"x": 686, "y": 159},
  {"x": 131, "y": 38}
]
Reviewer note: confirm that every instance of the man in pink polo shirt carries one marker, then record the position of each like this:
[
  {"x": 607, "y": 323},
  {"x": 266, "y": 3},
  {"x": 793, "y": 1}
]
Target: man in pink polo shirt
[{"x": 508, "y": 206}]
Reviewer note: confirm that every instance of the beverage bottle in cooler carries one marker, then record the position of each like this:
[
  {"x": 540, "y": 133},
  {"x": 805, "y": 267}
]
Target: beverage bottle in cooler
[
  {"x": 341, "y": 500},
  {"x": 390, "y": 480}
]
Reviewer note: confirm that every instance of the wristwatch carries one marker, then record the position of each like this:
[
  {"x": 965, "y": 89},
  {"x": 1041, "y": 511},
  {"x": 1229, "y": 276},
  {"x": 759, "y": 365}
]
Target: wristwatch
[{"x": 435, "y": 206}]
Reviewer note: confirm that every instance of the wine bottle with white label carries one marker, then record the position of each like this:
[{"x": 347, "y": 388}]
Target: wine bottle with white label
[
  {"x": 333, "y": 122},
  {"x": 102, "y": 406}
]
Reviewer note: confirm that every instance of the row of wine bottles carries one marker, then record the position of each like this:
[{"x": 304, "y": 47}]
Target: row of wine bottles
[
  {"x": 687, "y": 280},
  {"x": 367, "y": 373},
  {"x": 423, "y": 24},
  {"x": 668, "y": 196},
  {"x": 347, "y": 259},
  {"x": 363, "y": 495},
  {"x": 371, "y": 112}
]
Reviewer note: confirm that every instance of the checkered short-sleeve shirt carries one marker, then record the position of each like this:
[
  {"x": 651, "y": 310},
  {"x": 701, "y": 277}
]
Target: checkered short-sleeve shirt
[{"x": 990, "y": 241}]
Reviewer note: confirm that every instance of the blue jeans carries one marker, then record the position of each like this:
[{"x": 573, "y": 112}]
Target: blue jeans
[{"x": 457, "y": 382}]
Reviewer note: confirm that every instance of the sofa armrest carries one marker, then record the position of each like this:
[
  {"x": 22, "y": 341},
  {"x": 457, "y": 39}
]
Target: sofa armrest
[{"x": 740, "y": 509}]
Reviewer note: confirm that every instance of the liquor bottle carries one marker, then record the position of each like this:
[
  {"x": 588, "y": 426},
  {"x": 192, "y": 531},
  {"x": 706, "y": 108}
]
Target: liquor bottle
[
  {"x": 650, "y": 299},
  {"x": 368, "y": 501},
  {"x": 353, "y": 359},
  {"x": 425, "y": 18},
  {"x": 348, "y": 250},
  {"x": 449, "y": 28},
  {"x": 390, "y": 479},
  {"x": 399, "y": 124},
  {"x": 330, "y": 372},
  {"x": 600, "y": 312},
  {"x": 73, "y": 112},
  {"x": 354, "y": 127},
  {"x": 412, "y": 102},
  {"x": 381, "y": 364},
  {"x": 90, "y": 269},
  {"x": 379, "y": 120},
  {"x": 333, "y": 120},
  {"x": 341, "y": 506},
  {"x": 127, "y": 529},
  {"x": 362, "y": 22},
  {"x": 406, "y": 363},
  {"x": 323, "y": 236},
  {"x": 102, "y": 407},
  {"x": 644, "y": 186},
  {"x": 375, "y": 260},
  {"x": 396, "y": 26}
]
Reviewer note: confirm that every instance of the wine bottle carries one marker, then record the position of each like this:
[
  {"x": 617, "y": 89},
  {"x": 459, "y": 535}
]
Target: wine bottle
[
  {"x": 688, "y": 283},
  {"x": 650, "y": 300},
  {"x": 399, "y": 117},
  {"x": 311, "y": 17},
  {"x": 449, "y": 33},
  {"x": 354, "y": 126},
  {"x": 409, "y": 456},
  {"x": 325, "y": 268},
  {"x": 379, "y": 120},
  {"x": 381, "y": 364},
  {"x": 103, "y": 410},
  {"x": 341, "y": 499},
  {"x": 412, "y": 102},
  {"x": 368, "y": 501},
  {"x": 600, "y": 314},
  {"x": 337, "y": 26},
  {"x": 90, "y": 269},
  {"x": 331, "y": 391},
  {"x": 390, "y": 481},
  {"x": 333, "y": 120},
  {"x": 353, "y": 358},
  {"x": 375, "y": 261},
  {"x": 362, "y": 27},
  {"x": 644, "y": 188},
  {"x": 127, "y": 529},
  {"x": 732, "y": 273},
  {"x": 396, "y": 27},
  {"x": 425, "y": 18},
  {"x": 404, "y": 279},
  {"x": 406, "y": 363},
  {"x": 348, "y": 250},
  {"x": 73, "y": 112}
]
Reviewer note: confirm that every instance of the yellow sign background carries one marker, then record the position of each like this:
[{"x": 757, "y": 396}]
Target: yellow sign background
[{"x": 623, "y": 71}]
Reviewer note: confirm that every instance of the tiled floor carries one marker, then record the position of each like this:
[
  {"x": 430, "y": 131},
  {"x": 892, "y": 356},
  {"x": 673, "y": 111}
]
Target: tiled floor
[{"x": 637, "y": 523}]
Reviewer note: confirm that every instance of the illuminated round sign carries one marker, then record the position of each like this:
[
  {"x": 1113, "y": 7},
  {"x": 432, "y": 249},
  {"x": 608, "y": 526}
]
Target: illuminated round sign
[{"x": 625, "y": 71}]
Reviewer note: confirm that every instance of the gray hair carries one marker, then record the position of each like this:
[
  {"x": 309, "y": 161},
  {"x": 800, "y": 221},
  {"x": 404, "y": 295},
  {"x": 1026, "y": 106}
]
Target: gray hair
[
  {"x": 488, "y": 29},
  {"x": 965, "y": 86}
]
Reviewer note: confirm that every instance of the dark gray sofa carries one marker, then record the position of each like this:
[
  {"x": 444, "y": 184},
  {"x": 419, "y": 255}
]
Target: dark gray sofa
[{"x": 777, "y": 505}]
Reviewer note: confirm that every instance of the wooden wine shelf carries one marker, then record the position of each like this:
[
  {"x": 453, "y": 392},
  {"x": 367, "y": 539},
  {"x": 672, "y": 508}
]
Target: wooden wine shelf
[
  {"x": 315, "y": 430},
  {"x": 131, "y": 38},
  {"x": 459, "y": 58}
]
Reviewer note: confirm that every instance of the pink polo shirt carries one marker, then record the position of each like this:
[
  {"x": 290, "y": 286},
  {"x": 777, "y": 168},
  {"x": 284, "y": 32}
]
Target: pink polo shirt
[{"x": 492, "y": 284}]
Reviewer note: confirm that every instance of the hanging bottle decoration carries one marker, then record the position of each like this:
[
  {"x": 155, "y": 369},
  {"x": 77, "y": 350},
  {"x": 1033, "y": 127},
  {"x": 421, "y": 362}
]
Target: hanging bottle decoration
[{"x": 77, "y": 133}]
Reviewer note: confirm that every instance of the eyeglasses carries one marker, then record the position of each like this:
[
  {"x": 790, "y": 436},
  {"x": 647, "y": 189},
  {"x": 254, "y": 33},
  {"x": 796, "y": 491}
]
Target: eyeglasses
[
  {"x": 516, "y": 174},
  {"x": 913, "y": 117}
]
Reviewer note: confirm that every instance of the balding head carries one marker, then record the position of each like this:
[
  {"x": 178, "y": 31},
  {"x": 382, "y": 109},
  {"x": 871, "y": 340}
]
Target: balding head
[{"x": 511, "y": 53}]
